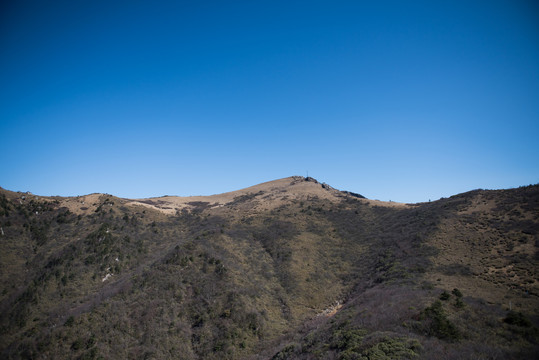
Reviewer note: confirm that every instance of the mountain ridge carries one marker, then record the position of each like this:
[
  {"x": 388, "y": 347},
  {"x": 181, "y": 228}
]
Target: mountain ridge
[
  {"x": 290, "y": 268},
  {"x": 169, "y": 204}
]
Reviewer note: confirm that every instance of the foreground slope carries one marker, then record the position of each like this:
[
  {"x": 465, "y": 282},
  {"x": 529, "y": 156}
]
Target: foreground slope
[{"x": 286, "y": 269}]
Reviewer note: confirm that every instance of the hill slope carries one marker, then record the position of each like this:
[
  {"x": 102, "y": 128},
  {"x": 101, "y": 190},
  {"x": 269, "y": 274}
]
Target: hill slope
[{"x": 286, "y": 269}]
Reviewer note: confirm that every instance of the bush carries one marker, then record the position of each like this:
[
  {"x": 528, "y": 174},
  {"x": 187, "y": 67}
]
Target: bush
[
  {"x": 517, "y": 318},
  {"x": 77, "y": 344},
  {"x": 287, "y": 352},
  {"x": 437, "y": 323},
  {"x": 69, "y": 322},
  {"x": 393, "y": 348},
  {"x": 457, "y": 293},
  {"x": 445, "y": 296},
  {"x": 348, "y": 339}
]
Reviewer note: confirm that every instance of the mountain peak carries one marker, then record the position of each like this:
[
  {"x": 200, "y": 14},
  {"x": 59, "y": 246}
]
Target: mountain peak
[{"x": 263, "y": 196}]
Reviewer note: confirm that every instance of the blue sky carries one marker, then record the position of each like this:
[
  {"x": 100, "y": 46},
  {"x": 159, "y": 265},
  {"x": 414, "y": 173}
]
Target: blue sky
[{"x": 403, "y": 101}]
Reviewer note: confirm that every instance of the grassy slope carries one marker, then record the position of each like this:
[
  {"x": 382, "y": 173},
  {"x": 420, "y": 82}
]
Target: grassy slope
[{"x": 247, "y": 279}]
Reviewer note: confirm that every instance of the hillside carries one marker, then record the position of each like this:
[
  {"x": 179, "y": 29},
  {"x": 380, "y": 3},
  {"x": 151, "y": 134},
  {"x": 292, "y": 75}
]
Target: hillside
[{"x": 288, "y": 269}]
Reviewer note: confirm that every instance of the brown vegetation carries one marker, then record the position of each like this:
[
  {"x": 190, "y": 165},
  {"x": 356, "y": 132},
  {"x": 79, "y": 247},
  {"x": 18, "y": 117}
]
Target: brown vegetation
[{"x": 244, "y": 275}]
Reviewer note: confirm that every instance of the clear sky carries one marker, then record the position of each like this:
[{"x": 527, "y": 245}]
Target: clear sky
[{"x": 396, "y": 100}]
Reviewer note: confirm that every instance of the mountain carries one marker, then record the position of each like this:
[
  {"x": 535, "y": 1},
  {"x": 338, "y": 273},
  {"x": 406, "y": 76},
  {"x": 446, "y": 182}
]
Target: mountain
[{"x": 288, "y": 269}]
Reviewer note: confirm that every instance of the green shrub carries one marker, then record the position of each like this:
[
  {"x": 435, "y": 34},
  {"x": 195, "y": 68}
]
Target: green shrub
[
  {"x": 457, "y": 293},
  {"x": 348, "y": 339},
  {"x": 69, "y": 322},
  {"x": 287, "y": 352},
  {"x": 437, "y": 323},
  {"x": 517, "y": 318},
  {"x": 393, "y": 348},
  {"x": 445, "y": 296},
  {"x": 77, "y": 344}
]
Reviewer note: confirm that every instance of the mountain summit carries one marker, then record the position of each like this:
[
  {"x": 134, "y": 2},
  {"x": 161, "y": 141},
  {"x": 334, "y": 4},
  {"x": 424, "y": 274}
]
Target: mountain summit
[{"x": 287, "y": 269}]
